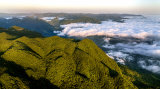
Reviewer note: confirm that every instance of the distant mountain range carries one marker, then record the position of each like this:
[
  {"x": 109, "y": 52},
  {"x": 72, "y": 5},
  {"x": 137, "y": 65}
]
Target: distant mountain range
[
  {"x": 27, "y": 62},
  {"x": 33, "y": 24},
  {"x": 100, "y": 17}
]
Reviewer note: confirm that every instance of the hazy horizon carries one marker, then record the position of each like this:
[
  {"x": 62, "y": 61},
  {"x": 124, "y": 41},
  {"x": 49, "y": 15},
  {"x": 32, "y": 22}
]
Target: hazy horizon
[{"x": 83, "y": 6}]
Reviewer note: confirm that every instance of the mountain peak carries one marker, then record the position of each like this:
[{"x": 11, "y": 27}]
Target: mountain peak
[
  {"x": 16, "y": 28},
  {"x": 19, "y": 32}
]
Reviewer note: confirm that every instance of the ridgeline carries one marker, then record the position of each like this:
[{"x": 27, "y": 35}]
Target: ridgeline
[{"x": 53, "y": 62}]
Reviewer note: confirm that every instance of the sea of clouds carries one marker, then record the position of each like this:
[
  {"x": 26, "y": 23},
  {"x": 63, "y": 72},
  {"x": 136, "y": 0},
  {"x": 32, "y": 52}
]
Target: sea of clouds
[
  {"x": 146, "y": 31},
  {"x": 136, "y": 27}
]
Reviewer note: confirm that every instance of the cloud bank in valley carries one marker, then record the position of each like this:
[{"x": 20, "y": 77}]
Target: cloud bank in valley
[
  {"x": 146, "y": 30},
  {"x": 136, "y": 27},
  {"x": 153, "y": 65},
  {"x": 148, "y": 60},
  {"x": 48, "y": 19},
  {"x": 142, "y": 49}
]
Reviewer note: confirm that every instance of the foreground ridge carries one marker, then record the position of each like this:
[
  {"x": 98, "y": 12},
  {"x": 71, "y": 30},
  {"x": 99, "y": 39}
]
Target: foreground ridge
[{"x": 55, "y": 62}]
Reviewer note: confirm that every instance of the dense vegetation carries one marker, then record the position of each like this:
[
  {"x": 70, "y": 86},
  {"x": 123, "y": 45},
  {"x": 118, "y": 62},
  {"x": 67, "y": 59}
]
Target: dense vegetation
[
  {"x": 141, "y": 78},
  {"x": 54, "y": 62}
]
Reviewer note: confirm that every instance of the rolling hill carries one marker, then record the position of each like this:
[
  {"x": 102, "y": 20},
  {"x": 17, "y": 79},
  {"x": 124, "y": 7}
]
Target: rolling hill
[{"x": 19, "y": 32}]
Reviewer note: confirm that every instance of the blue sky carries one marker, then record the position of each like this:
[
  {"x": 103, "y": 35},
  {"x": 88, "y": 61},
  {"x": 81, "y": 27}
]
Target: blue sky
[{"x": 90, "y": 6}]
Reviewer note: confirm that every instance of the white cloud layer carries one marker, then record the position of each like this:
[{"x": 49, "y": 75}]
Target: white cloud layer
[
  {"x": 154, "y": 67},
  {"x": 119, "y": 57},
  {"x": 51, "y": 18},
  {"x": 19, "y": 17},
  {"x": 136, "y": 27},
  {"x": 142, "y": 49}
]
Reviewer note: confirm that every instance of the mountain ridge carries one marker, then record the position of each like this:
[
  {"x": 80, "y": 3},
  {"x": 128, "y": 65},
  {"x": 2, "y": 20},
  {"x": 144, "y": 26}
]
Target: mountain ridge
[
  {"x": 19, "y": 32},
  {"x": 56, "y": 62},
  {"x": 16, "y": 28}
]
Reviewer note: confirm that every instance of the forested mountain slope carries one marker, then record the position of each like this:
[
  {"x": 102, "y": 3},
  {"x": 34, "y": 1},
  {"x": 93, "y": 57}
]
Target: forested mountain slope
[{"x": 54, "y": 62}]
